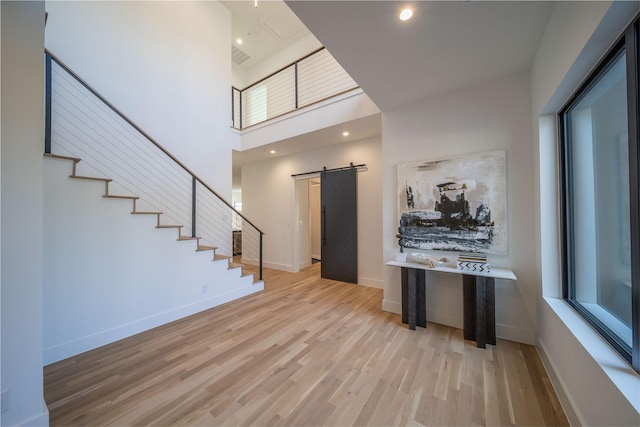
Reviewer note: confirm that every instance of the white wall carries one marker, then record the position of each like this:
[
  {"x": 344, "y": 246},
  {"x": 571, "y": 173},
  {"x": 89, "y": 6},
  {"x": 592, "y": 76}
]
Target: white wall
[
  {"x": 583, "y": 368},
  {"x": 343, "y": 108},
  {"x": 243, "y": 78},
  {"x": 22, "y": 217},
  {"x": 489, "y": 116},
  {"x": 166, "y": 65},
  {"x": 268, "y": 192},
  {"x": 109, "y": 274}
]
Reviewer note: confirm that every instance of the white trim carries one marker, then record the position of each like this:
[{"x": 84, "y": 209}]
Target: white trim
[
  {"x": 39, "y": 420},
  {"x": 506, "y": 332},
  {"x": 444, "y": 318},
  {"x": 565, "y": 400},
  {"x": 391, "y": 306},
  {"x": 372, "y": 283},
  {"x": 277, "y": 266},
  {"x": 71, "y": 348},
  {"x": 617, "y": 327},
  {"x": 513, "y": 333},
  {"x": 619, "y": 372},
  {"x": 304, "y": 264},
  {"x": 332, "y": 100}
]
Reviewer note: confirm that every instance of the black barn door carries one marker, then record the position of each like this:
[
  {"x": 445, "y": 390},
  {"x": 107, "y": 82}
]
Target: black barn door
[{"x": 339, "y": 228}]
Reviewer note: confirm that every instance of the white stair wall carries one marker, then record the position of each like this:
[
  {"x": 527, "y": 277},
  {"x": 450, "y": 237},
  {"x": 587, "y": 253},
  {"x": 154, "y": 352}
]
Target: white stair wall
[{"x": 109, "y": 274}]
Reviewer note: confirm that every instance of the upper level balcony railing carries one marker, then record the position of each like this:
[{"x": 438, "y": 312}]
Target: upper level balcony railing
[{"x": 309, "y": 80}]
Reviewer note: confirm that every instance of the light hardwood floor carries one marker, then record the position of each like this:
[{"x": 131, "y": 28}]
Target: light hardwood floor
[{"x": 306, "y": 351}]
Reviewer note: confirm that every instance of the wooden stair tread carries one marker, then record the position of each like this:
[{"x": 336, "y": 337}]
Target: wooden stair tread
[
  {"x": 90, "y": 178},
  {"x": 57, "y": 156},
  {"x": 112, "y": 196},
  {"x": 200, "y": 248},
  {"x": 180, "y": 238}
]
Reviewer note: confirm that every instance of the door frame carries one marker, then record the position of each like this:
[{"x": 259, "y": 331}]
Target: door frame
[{"x": 301, "y": 232}]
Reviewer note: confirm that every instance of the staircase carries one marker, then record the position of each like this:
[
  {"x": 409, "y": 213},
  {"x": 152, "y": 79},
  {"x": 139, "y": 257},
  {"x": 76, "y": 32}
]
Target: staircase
[
  {"x": 116, "y": 255},
  {"x": 181, "y": 237},
  {"x": 112, "y": 270}
]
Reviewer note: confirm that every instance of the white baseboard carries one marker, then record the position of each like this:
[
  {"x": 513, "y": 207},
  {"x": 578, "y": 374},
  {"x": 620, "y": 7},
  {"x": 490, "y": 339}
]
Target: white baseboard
[
  {"x": 454, "y": 320},
  {"x": 267, "y": 264},
  {"x": 372, "y": 283},
  {"x": 512, "y": 333},
  {"x": 391, "y": 306},
  {"x": 249, "y": 261},
  {"x": 277, "y": 266},
  {"x": 444, "y": 318},
  {"x": 304, "y": 264},
  {"x": 38, "y": 420},
  {"x": 558, "y": 386},
  {"x": 90, "y": 342}
]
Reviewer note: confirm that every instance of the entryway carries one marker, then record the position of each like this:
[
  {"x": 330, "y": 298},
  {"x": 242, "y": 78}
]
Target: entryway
[{"x": 326, "y": 223}]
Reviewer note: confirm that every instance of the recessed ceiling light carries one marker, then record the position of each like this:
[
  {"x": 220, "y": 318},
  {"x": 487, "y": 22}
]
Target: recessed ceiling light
[
  {"x": 406, "y": 14},
  {"x": 239, "y": 41},
  {"x": 345, "y": 133},
  {"x": 272, "y": 152}
]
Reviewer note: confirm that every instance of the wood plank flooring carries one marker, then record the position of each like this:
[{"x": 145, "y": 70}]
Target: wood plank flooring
[{"x": 306, "y": 351}]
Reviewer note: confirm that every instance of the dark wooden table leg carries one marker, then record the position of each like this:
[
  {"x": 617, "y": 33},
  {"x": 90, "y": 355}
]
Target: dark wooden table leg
[
  {"x": 412, "y": 297},
  {"x": 404, "y": 272},
  {"x": 490, "y": 290},
  {"x": 421, "y": 299},
  {"x": 469, "y": 307},
  {"x": 481, "y": 312},
  {"x": 414, "y": 307},
  {"x": 479, "y": 309}
]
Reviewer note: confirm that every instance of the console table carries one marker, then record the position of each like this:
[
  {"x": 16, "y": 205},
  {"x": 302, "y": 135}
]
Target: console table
[{"x": 478, "y": 299}]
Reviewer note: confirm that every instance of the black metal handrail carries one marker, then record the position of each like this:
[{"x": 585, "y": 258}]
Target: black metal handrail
[
  {"x": 296, "y": 89},
  {"x": 282, "y": 69},
  {"x": 49, "y": 57}
]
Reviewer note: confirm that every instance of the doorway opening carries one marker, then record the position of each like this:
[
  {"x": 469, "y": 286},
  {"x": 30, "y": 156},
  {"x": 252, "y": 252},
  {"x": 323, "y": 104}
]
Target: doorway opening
[
  {"x": 307, "y": 244},
  {"x": 326, "y": 223},
  {"x": 314, "y": 220}
]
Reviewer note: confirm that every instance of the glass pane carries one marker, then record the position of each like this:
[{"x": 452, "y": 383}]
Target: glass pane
[{"x": 600, "y": 200}]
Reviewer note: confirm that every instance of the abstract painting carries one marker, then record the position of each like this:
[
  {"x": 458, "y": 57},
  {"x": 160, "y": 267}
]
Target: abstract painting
[{"x": 456, "y": 204}]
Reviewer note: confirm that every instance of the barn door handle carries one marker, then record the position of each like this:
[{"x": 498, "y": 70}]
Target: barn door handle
[{"x": 324, "y": 225}]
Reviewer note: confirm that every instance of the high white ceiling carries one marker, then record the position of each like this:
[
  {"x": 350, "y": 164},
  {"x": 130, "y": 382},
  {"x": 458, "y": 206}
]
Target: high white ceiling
[
  {"x": 264, "y": 30},
  {"x": 447, "y": 45}
]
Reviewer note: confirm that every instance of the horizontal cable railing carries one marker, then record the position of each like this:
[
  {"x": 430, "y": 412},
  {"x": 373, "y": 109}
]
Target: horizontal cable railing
[
  {"x": 309, "y": 80},
  {"x": 81, "y": 123}
]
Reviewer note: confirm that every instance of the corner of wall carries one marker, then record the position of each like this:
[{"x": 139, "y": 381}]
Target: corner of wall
[
  {"x": 558, "y": 385},
  {"x": 577, "y": 360},
  {"x": 22, "y": 215}
]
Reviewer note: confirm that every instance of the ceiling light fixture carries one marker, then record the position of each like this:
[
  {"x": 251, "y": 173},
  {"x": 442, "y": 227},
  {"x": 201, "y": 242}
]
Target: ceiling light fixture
[
  {"x": 239, "y": 41},
  {"x": 406, "y": 14},
  {"x": 272, "y": 151},
  {"x": 345, "y": 133},
  {"x": 255, "y": 3}
]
